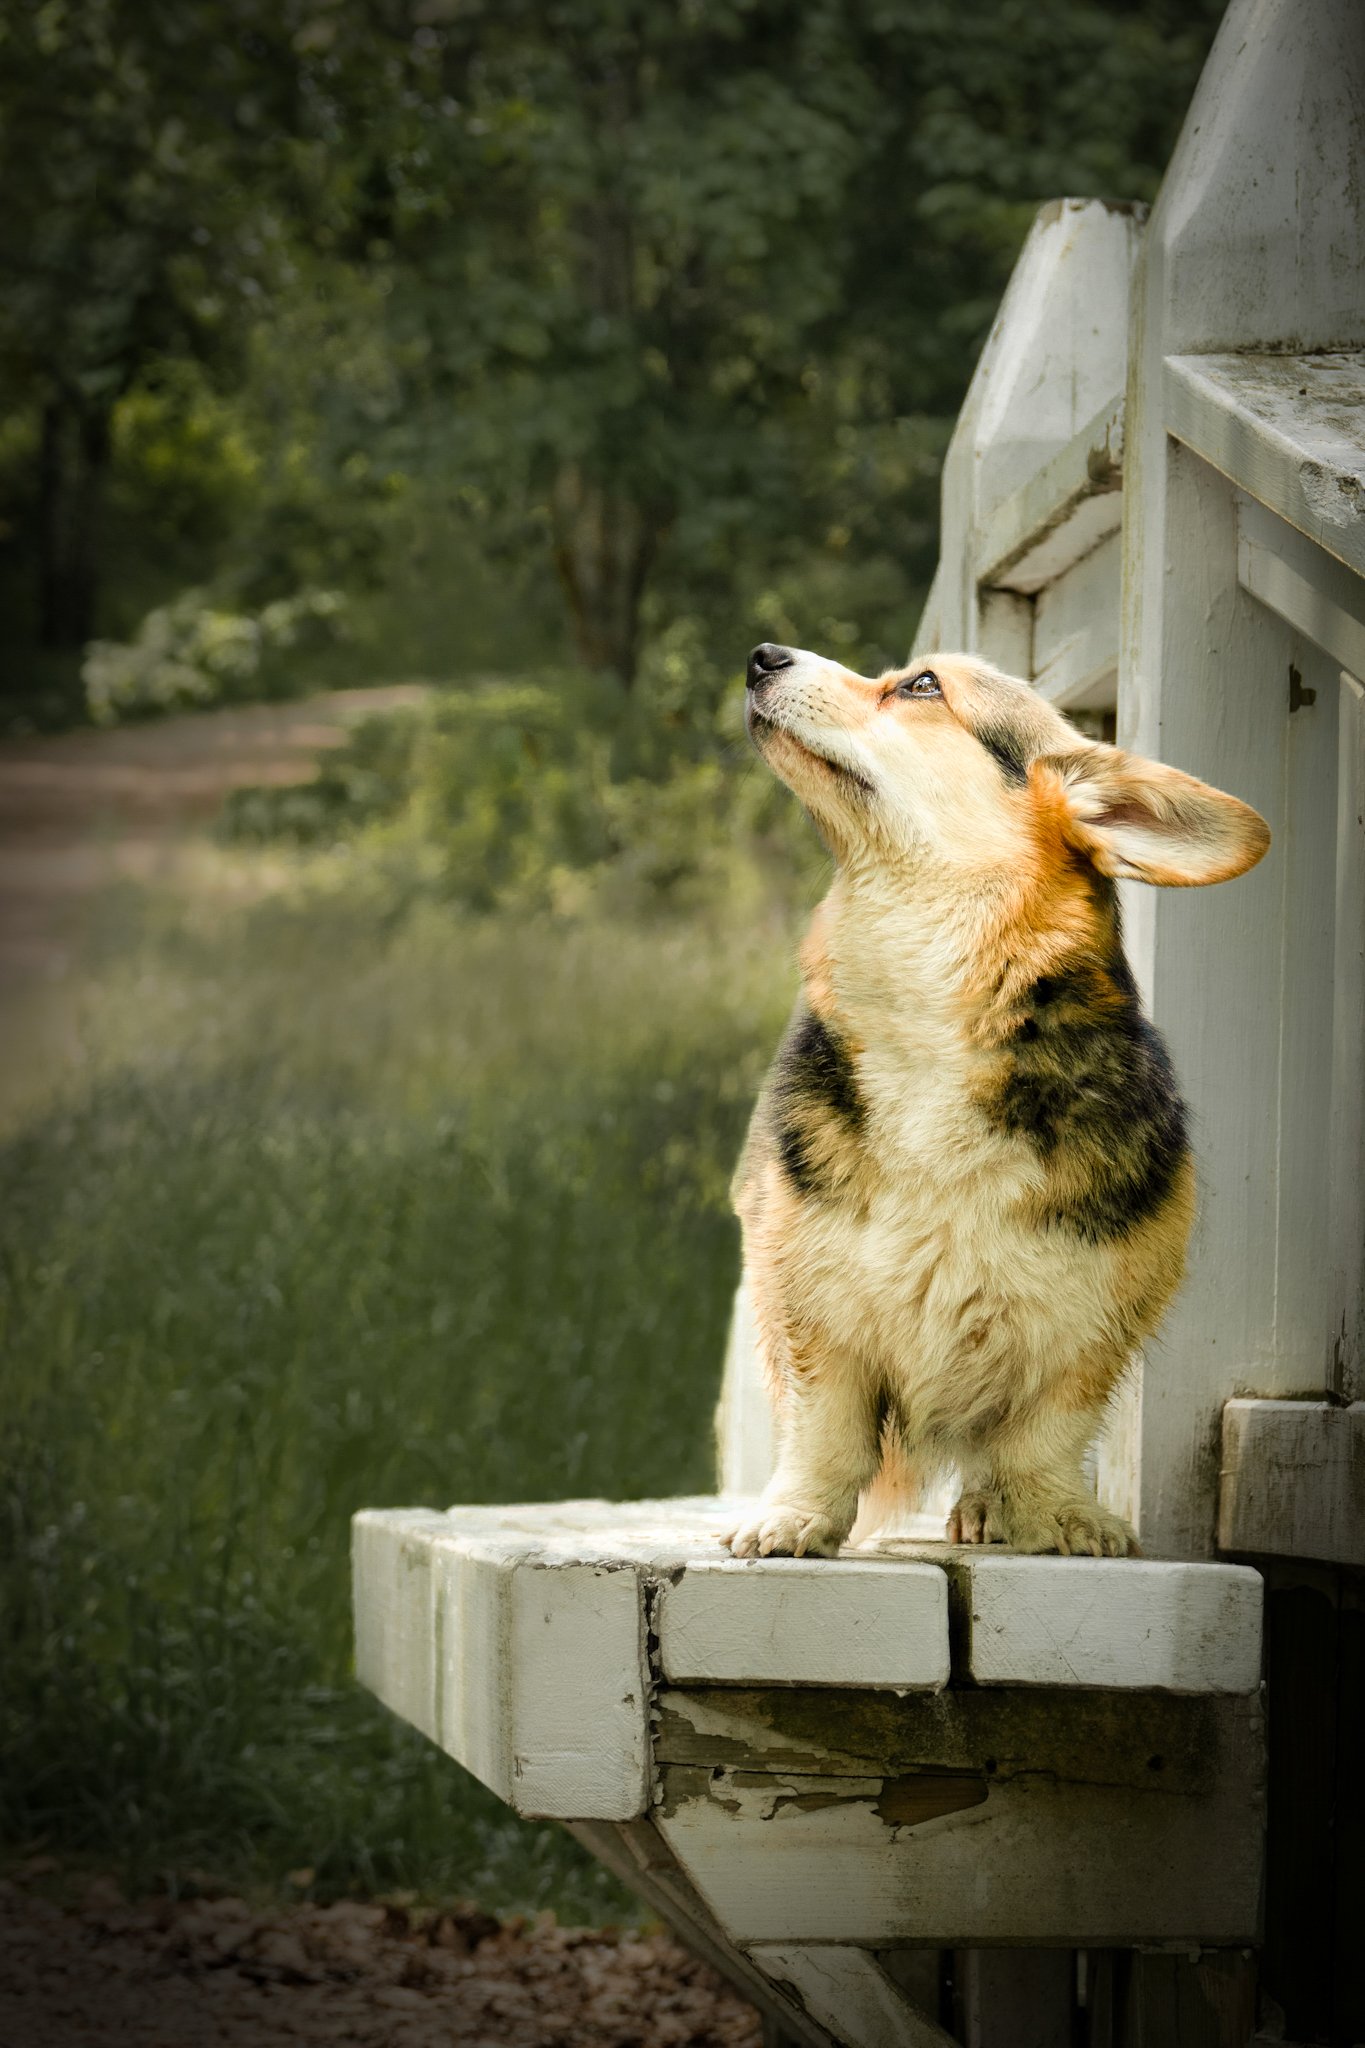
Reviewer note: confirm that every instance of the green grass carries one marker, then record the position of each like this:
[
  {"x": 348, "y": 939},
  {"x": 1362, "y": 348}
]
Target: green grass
[{"x": 341, "y": 1210}]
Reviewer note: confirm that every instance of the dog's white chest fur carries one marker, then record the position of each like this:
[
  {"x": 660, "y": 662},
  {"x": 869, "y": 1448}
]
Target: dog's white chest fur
[{"x": 943, "y": 1285}]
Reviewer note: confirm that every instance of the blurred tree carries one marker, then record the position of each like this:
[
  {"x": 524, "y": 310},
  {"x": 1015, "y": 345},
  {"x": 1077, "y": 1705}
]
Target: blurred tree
[
  {"x": 144, "y": 159},
  {"x": 662, "y": 263},
  {"x": 677, "y": 296}
]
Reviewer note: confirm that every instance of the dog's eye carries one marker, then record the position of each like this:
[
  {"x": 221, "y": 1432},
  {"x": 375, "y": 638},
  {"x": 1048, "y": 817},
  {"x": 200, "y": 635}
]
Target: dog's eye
[{"x": 925, "y": 684}]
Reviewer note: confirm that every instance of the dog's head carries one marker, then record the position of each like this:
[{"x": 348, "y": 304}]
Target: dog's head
[{"x": 950, "y": 766}]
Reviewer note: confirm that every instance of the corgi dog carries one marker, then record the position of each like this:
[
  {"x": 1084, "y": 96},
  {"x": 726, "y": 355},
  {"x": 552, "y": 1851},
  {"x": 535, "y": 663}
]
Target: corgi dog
[{"x": 966, "y": 1191}]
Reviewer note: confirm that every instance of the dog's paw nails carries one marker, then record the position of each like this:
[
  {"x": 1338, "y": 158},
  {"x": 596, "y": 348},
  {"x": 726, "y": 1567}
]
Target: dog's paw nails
[
  {"x": 786, "y": 1532},
  {"x": 1074, "y": 1529}
]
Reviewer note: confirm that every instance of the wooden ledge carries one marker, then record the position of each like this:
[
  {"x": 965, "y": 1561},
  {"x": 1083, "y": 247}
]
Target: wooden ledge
[
  {"x": 527, "y": 1641},
  {"x": 1285, "y": 429}
]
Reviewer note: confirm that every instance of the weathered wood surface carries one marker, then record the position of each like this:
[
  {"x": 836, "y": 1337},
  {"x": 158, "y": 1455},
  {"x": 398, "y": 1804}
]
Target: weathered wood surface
[
  {"x": 1310, "y": 591},
  {"x": 1062, "y": 1621},
  {"x": 527, "y": 1666},
  {"x": 1293, "y": 1481},
  {"x": 1076, "y": 633},
  {"x": 1249, "y": 297},
  {"x": 850, "y": 1992},
  {"x": 1194, "y": 2000},
  {"x": 796, "y": 1622},
  {"x": 1286, "y": 430},
  {"x": 1017, "y": 1997},
  {"x": 1346, "y": 1160},
  {"x": 966, "y": 1818},
  {"x": 1060, "y": 513}
]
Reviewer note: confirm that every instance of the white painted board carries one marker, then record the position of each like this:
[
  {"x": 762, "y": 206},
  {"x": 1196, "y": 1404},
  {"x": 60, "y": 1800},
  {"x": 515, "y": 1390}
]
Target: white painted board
[
  {"x": 795, "y": 1621},
  {"x": 1293, "y": 1480},
  {"x": 528, "y": 1669},
  {"x": 847, "y": 1991},
  {"x": 1128, "y": 1623}
]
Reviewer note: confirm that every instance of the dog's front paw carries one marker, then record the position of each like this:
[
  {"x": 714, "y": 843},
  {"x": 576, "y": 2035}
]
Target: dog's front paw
[
  {"x": 781, "y": 1529},
  {"x": 1072, "y": 1528}
]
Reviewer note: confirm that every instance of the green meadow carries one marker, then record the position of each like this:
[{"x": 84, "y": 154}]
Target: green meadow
[{"x": 348, "y": 1203}]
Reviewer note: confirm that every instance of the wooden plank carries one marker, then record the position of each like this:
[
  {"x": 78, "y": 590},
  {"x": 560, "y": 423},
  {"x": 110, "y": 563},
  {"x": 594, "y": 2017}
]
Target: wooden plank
[
  {"x": 794, "y": 1621},
  {"x": 1284, "y": 429},
  {"x": 529, "y": 1669},
  {"x": 1076, "y": 632},
  {"x": 1189, "y": 2001},
  {"x": 1054, "y": 362},
  {"x": 1253, "y": 246},
  {"x": 1346, "y": 1163},
  {"x": 1004, "y": 632},
  {"x": 849, "y": 1992},
  {"x": 1062, "y": 512},
  {"x": 395, "y": 1622},
  {"x": 1304, "y": 1313},
  {"x": 637, "y": 1854},
  {"x": 1312, "y": 591},
  {"x": 1120, "y": 1622},
  {"x": 1017, "y": 1997},
  {"x": 1293, "y": 1480},
  {"x": 966, "y": 1819}
]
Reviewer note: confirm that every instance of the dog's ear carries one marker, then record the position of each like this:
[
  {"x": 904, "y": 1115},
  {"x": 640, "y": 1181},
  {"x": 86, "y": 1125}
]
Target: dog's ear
[{"x": 1141, "y": 820}]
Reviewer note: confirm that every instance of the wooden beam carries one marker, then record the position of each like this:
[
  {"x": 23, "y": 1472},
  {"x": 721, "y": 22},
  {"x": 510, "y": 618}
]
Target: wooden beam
[
  {"x": 1292, "y": 1482},
  {"x": 1286, "y": 430},
  {"x": 1064, "y": 510},
  {"x": 1076, "y": 632},
  {"x": 1310, "y": 589},
  {"x": 849, "y": 1992},
  {"x": 965, "y": 1819}
]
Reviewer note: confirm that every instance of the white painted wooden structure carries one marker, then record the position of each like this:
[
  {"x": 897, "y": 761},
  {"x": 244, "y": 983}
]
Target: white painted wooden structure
[
  {"x": 830, "y": 1776},
  {"x": 814, "y": 1766}
]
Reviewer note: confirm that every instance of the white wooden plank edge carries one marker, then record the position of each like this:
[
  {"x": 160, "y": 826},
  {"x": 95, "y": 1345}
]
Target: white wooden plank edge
[
  {"x": 1130, "y": 1623},
  {"x": 529, "y": 1672},
  {"x": 847, "y": 1990},
  {"x": 395, "y": 1628},
  {"x": 1310, "y": 589},
  {"x": 1269, "y": 423},
  {"x": 1075, "y": 650},
  {"x": 1292, "y": 1482},
  {"x": 796, "y": 1621},
  {"x": 1061, "y": 513}
]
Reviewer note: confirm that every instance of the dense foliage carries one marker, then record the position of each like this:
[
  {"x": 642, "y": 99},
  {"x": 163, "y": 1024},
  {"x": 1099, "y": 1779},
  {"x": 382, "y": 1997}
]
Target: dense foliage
[{"x": 460, "y": 305}]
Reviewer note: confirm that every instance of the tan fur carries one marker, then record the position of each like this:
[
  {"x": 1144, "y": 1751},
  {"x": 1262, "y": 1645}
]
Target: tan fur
[{"x": 953, "y": 1252}]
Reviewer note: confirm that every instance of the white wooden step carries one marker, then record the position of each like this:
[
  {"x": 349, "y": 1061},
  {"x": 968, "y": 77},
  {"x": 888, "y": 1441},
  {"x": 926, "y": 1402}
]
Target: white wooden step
[{"x": 525, "y": 1640}]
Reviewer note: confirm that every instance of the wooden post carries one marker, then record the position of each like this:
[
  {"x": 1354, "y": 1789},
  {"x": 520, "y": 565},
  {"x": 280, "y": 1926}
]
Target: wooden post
[{"x": 1251, "y": 257}]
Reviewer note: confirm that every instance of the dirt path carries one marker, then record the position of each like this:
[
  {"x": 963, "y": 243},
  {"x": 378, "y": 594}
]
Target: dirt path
[
  {"x": 215, "y": 1973},
  {"x": 84, "y": 810}
]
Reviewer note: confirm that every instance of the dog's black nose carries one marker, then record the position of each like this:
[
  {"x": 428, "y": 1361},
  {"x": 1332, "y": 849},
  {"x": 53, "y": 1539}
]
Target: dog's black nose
[{"x": 765, "y": 661}]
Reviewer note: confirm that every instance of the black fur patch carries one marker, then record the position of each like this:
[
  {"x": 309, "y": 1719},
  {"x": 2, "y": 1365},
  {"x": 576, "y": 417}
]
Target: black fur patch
[
  {"x": 1000, "y": 742},
  {"x": 1090, "y": 1086},
  {"x": 815, "y": 1088}
]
